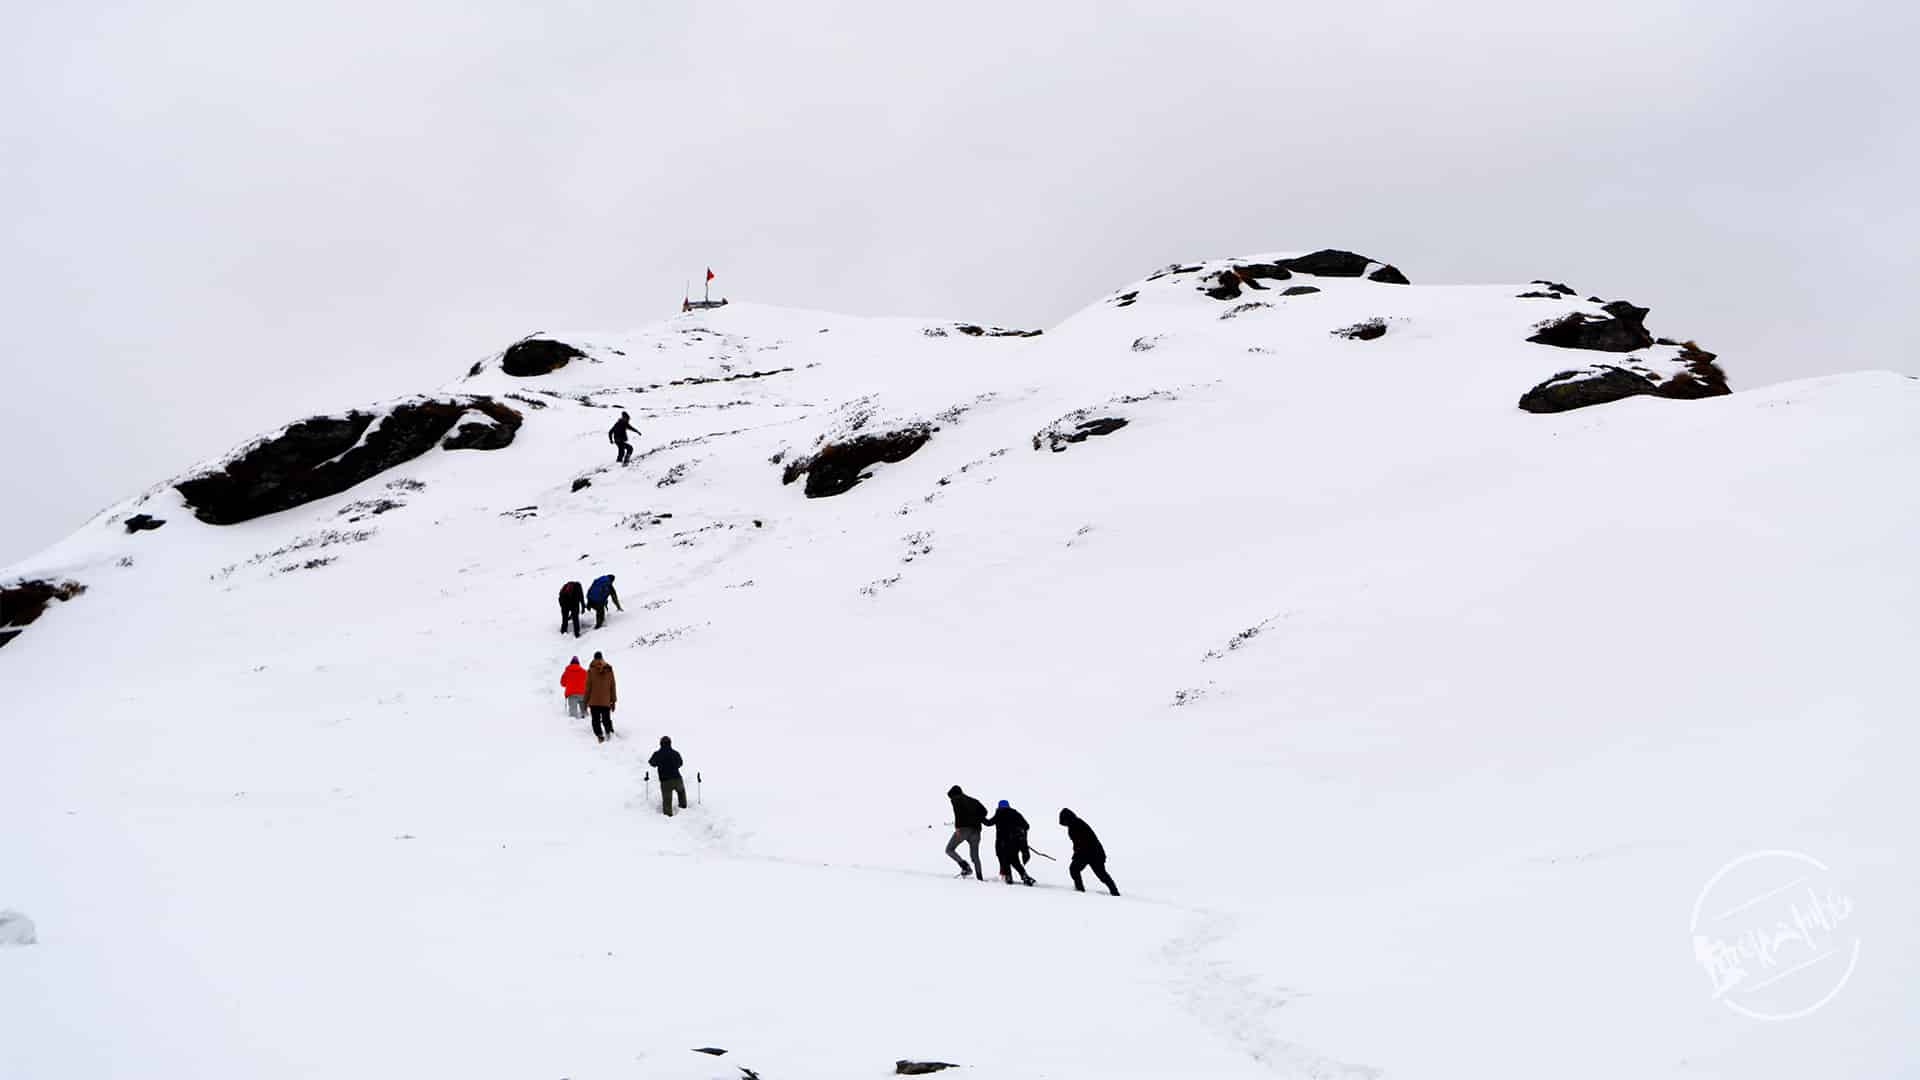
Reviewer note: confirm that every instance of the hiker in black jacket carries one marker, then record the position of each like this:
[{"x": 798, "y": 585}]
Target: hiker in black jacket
[
  {"x": 968, "y": 816},
  {"x": 668, "y": 761},
  {"x": 572, "y": 598},
  {"x": 1010, "y": 843},
  {"x": 1087, "y": 853},
  {"x": 617, "y": 435}
]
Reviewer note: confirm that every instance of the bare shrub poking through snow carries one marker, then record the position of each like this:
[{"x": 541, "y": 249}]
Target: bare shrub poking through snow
[{"x": 1365, "y": 330}]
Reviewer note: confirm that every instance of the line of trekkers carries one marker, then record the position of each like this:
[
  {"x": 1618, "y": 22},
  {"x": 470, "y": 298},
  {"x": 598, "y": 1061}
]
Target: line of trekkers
[
  {"x": 1010, "y": 845},
  {"x": 596, "y": 596},
  {"x": 593, "y": 692}
]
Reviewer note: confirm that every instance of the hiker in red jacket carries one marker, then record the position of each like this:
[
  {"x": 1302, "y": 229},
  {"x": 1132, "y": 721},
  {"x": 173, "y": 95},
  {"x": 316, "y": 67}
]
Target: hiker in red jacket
[{"x": 573, "y": 683}]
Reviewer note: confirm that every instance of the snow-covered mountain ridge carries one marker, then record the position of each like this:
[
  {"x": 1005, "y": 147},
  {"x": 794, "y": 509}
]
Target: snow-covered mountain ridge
[{"x": 1414, "y": 720}]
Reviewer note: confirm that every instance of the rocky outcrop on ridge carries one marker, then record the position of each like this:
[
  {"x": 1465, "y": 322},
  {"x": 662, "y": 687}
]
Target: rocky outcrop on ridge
[
  {"x": 838, "y": 464},
  {"x": 535, "y": 356},
  {"x": 1686, "y": 373},
  {"x": 326, "y": 455},
  {"x": 25, "y": 601}
]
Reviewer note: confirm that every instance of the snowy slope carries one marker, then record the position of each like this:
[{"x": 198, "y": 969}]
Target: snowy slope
[{"x": 1414, "y": 723}]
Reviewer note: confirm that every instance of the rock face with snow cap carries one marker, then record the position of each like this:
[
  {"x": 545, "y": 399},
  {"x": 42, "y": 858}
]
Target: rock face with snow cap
[
  {"x": 838, "y": 464},
  {"x": 535, "y": 356},
  {"x": 1622, "y": 329},
  {"x": 22, "y": 602},
  {"x": 326, "y": 455},
  {"x": 1226, "y": 282},
  {"x": 1686, "y": 373}
]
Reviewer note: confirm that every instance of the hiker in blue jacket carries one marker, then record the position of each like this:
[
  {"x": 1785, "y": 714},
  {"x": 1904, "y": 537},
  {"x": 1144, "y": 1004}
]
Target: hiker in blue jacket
[{"x": 598, "y": 594}]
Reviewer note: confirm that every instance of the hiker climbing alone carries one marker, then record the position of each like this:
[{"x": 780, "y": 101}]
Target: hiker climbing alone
[
  {"x": 1010, "y": 843},
  {"x": 572, "y": 599},
  {"x": 968, "y": 816},
  {"x": 1087, "y": 853},
  {"x": 598, "y": 594},
  {"x": 617, "y": 435},
  {"x": 668, "y": 761},
  {"x": 573, "y": 683},
  {"x": 602, "y": 696}
]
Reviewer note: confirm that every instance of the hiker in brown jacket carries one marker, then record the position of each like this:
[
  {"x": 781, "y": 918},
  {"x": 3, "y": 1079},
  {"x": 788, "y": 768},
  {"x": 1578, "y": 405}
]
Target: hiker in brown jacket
[{"x": 601, "y": 697}]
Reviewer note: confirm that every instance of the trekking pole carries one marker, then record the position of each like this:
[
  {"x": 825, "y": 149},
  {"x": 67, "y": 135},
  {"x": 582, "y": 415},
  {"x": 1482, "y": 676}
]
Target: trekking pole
[
  {"x": 1042, "y": 854},
  {"x": 699, "y": 798},
  {"x": 646, "y": 784}
]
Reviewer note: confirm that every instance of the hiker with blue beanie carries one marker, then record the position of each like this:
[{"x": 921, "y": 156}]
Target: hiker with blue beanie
[
  {"x": 598, "y": 594},
  {"x": 1010, "y": 842}
]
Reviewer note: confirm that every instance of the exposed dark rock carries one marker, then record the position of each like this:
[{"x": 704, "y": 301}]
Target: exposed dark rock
[
  {"x": 1363, "y": 331},
  {"x": 1146, "y": 344},
  {"x": 475, "y": 369},
  {"x": 1331, "y": 262},
  {"x": 1225, "y": 285},
  {"x": 537, "y": 356},
  {"x": 482, "y": 434},
  {"x": 582, "y": 482},
  {"x": 1176, "y": 268},
  {"x": 1268, "y": 271},
  {"x": 971, "y": 330},
  {"x": 1126, "y": 299},
  {"x": 24, "y": 601},
  {"x": 1579, "y": 389},
  {"x": 1622, "y": 330},
  {"x": 1536, "y": 295},
  {"x": 326, "y": 455},
  {"x": 1301, "y": 290},
  {"x": 920, "y": 1068},
  {"x": 1697, "y": 376},
  {"x": 1553, "y": 286},
  {"x": 714, "y": 1050},
  {"x": 143, "y": 522},
  {"x": 837, "y": 466},
  {"x": 1238, "y": 310},
  {"x": 1058, "y": 436}
]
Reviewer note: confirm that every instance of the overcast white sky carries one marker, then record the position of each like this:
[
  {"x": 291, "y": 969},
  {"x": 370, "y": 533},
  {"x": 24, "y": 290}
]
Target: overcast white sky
[{"x": 222, "y": 215}]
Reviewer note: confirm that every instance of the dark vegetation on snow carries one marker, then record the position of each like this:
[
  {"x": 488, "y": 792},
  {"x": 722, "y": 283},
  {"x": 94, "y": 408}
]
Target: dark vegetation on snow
[
  {"x": 361, "y": 509},
  {"x": 836, "y": 467},
  {"x": 25, "y": 601},
  {"x": 326, "y": 455},
  {"x": 1058, "y": 436},
  {"x": 534, "y": 356},
  {"x": 143, "y": 523},
  {"x": 973, "y": 330},
  {"x": 1599, "y": 384},
  {"x": 1366, "y": 330}
]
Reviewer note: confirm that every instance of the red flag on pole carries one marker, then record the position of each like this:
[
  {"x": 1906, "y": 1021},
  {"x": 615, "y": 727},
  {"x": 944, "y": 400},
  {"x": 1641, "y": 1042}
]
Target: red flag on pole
[{"x": 709, "y": 273}]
